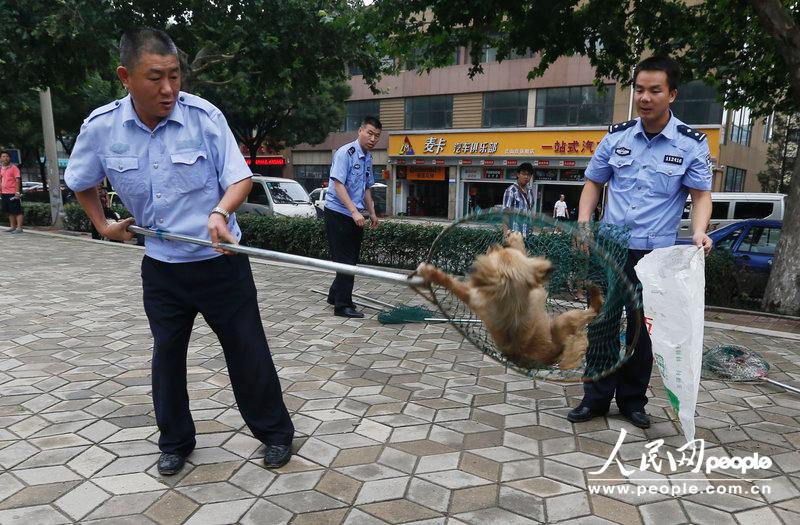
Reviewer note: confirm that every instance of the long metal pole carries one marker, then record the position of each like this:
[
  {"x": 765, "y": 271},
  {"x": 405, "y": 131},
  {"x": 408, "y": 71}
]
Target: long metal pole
[
  {"x": 391, "y": 277},
  {"x": 53, "y": 177}
]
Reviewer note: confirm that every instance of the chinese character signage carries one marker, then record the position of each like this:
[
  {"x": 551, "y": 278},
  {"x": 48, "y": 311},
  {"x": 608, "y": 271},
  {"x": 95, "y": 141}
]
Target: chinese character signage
[{"x": 528, "y": 144}]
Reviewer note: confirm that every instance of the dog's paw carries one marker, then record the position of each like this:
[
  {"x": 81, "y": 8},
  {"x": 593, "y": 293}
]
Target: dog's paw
[
  {"x": 515, "y": 240},
  {"x": 426, "y": 271}
]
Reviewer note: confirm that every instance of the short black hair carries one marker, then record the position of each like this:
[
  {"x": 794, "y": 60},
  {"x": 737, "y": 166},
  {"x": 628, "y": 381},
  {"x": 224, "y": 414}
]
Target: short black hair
[
  {"x": 372, "y": 121},
  {"x": 660, "y": 63},
  {"x": 140, "y": 40},
  {"x": 5, "y": 152},
  {"x": 525, "y": 166}
]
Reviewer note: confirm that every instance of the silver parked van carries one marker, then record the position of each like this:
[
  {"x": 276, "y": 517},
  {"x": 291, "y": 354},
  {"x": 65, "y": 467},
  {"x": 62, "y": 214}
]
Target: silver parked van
[{"x": 729, "y": 207}]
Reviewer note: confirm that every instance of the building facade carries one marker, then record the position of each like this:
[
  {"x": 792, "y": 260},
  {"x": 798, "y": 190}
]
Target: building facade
[{"x": 451, "y": 144}]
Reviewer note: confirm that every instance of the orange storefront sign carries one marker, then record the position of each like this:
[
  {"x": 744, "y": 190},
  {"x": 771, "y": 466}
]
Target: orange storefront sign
[
  {"x": 529, "y": 143},
  {"x": 425, "y": 173}
]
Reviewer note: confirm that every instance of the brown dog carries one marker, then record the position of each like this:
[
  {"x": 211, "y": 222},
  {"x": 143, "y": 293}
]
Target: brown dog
[{"x": 506, "y": 289}]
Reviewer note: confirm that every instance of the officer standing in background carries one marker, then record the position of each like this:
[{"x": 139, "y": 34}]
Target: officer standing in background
[
  {"x": 348, "y": 198},
  {"x": 174, "y": 162},
  {"x": 650, "y": 164}
]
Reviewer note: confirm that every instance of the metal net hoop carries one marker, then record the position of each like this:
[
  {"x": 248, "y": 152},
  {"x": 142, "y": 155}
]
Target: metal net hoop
[{"x": 582, "y": 255}]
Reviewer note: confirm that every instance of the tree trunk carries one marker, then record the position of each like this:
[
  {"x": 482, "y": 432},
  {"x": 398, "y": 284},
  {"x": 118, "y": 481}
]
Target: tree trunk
[{"x": 783, "y": 288}]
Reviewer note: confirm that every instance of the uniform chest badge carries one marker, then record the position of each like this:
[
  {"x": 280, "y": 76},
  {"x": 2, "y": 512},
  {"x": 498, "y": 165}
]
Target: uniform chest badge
[
  {"x": 622, "y": 151},
  {"x": 672, "y": 159},
  {"x": 119, "y": 148}
]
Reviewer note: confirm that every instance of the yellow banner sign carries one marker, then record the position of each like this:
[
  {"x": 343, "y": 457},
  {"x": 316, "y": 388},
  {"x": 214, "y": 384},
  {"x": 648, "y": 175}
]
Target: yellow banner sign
[{"x": 529, "y": 143}]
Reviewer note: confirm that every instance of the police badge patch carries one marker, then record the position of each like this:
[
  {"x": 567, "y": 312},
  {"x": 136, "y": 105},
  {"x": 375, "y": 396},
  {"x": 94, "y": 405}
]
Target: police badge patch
[
  {"x": 622, "y": 151},
  {"x": 672, "y": 159}
]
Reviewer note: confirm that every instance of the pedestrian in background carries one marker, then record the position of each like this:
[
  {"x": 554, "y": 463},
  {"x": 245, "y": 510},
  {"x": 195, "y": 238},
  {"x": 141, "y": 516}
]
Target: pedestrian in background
[
  {"x": 560, "y": 210},
  {"x": 176, "y": 166},
  {"x": 346, "y": 202},
  {"x": 519, "y": 197},
  {"x": 11, "y": 192}
]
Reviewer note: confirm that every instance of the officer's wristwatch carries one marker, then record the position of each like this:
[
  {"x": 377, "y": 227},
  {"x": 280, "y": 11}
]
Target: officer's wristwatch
[{"x": 222, "y": 211}]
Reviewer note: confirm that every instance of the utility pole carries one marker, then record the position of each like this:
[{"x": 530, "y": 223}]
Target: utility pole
[{"x": 53, "y": 178}]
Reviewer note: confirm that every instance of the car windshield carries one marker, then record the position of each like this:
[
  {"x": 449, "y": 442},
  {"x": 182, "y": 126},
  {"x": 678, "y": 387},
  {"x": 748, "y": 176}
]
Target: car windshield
[{"x": 287, "y": 193}]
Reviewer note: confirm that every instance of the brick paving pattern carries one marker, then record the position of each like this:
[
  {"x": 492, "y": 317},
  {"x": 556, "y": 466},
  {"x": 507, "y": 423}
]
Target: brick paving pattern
[{"x": 395, "y": 424}]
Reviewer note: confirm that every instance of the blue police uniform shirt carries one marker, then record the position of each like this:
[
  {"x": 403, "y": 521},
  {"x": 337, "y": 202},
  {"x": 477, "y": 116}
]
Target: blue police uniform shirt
[
  {"x": 649, "y": 179},
  {"x": 352, "y": 166},
  {"x": 170, "y": 177}
]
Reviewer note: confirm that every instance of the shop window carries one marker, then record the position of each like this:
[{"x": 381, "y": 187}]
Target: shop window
[
  {"x": 356, "y": 111},
  {"x": 435, "y": 112},
  {"x": 505, "y": 109},
  {"x": 768, "y": 123},
  {"x": 741, "y": 126},
  {"x": 574, "y": 106},
  {"x": 734, "y": 179},
  {"x": 696, "y": 103},
  {"x": 311, "y": 176},
  {"x": 489, "y": 55}
]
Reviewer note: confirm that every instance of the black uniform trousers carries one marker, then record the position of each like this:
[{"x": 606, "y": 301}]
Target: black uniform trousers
[
  {"x": 223, "y": 291},
  {"x": 344, "y": 243},
  {"x": 628, "y": 383}
]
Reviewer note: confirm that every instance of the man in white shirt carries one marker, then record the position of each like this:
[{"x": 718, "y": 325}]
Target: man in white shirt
[{"x": 560, "y": 211}]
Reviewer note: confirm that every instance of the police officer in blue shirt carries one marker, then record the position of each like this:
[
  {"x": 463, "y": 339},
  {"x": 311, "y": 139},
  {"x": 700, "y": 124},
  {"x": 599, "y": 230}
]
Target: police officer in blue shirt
[
  {"x": 348, "y": 198},
  {"x": 176, "y": 166},
  {"x": 650, "y": 164}
]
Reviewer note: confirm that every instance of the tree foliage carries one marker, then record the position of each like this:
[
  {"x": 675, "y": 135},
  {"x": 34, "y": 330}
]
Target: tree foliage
[{"x": 277, "y": 68}]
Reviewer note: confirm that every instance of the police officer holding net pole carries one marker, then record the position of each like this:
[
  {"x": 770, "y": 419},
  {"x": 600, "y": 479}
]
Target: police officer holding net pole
[
  {"x": 174, "y": 162},
  {"x": 650, "y": 164}
]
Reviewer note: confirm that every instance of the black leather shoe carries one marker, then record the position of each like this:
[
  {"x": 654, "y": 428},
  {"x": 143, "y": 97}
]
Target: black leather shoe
[
  {"x": 639, "y": 418},
  {"x": 277, "y": 456},
  {"x": 169, "y": 464},
  {"x": 348, "y": 311},
  {"x": 582, "y": 413}
]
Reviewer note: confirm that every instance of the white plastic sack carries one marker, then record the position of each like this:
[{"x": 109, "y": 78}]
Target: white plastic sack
[{"x": 673, "y": 296}]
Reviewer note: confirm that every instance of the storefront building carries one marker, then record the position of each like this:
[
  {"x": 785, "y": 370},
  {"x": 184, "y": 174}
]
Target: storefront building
[{"x": 449, "y": 174}]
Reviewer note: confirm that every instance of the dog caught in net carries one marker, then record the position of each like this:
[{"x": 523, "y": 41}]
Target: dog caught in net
[{"x": 550, "y": 296}]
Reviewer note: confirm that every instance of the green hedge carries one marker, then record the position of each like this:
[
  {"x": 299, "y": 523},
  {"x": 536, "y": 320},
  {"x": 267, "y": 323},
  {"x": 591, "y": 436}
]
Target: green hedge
[
  {"x": 75, "y": 218},
  {"x": 401, "y": 245},
  {"x": 391, "y": 244},
  {"x": 36, "y": 214}
]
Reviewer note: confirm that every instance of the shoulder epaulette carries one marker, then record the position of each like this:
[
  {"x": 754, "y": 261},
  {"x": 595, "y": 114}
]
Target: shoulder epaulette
[
  {"x": 197, "y": 102},
  {"x": 351, "y": 150},
  {"x": 699, "y": 136},
  {"x": 103, "y": 109},
  {"x": 613, "y": 128}
]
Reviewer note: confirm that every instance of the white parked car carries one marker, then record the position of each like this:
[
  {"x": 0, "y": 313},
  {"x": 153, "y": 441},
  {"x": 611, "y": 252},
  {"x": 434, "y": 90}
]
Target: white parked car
[
  {"x": 278, "y": 196},
  {"x": 378, "y": 196}
]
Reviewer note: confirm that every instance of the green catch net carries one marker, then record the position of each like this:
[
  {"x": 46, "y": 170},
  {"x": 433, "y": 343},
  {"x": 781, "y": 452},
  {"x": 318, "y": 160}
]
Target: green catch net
[
  {"x": 583, "y": 256},
  {"x": 407, "y": 314},
  {"x": 734, "y": 363}
]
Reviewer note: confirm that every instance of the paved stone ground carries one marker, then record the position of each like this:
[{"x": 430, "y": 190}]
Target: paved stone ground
[{"x": 395, "y": 424}]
